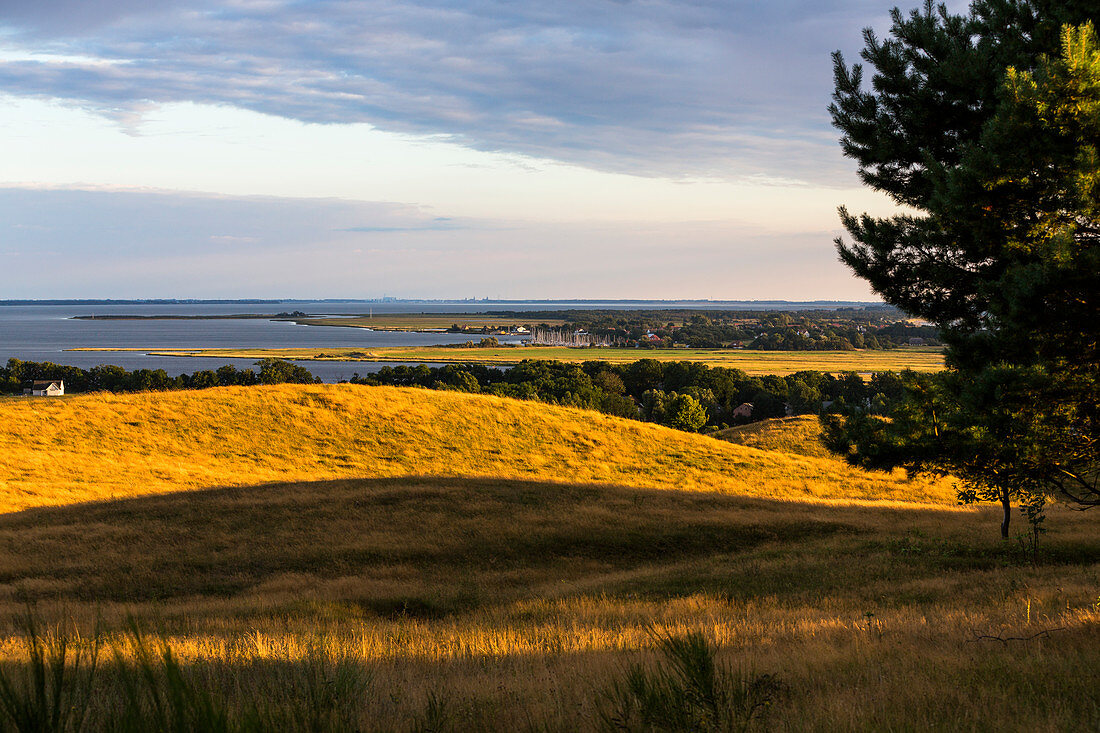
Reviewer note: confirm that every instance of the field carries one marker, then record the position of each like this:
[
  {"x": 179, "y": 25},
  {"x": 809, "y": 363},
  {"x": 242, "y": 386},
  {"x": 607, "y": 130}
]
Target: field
[
  {"x": 398, "y": 559},
  {"x": 922, "y": 359}
]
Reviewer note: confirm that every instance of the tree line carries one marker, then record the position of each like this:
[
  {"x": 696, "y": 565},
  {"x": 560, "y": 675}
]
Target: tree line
[
  {"x": 110, "y": 378},
  {"x": 841, "y": 329},
  {"x": 684, "y": 395}
]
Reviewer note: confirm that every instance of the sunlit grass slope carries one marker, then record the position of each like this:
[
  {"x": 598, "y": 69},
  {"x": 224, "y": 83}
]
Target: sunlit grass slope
[
  {"x": 102, "y": 446},
  {"x": 800, "y": 435}
]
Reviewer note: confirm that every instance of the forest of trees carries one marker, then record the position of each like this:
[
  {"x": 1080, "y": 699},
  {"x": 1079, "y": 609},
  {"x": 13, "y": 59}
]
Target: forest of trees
[
  {"x": 110, "y": 378},
  {"x": 842, "y": 329},
  {"x": 684, "y": 395}
]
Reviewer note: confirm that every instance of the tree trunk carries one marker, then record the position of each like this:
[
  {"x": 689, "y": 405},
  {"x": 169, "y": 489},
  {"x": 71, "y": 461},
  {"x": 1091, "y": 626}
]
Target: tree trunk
[{"x": 1007, "y": 506}]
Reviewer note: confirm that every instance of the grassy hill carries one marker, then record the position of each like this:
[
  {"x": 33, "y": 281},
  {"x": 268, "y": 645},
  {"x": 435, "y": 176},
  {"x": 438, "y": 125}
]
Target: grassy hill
[
  {"x": 385, "y": 559},
  {"x": 104, "y": 446},
  {"x": 798, "y": 435}
]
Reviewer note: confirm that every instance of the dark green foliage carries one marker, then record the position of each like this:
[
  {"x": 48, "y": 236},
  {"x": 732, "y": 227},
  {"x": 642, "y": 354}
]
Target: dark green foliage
[
  {"x": 978, "y": 427},
  {"x": 987, "y": 126},
  {"x": 684, "y": 395},
  {"x": 280, "y": 371},
  {"x": 684, "y": 412},
  {"x": 941, "y": 132},
  {"x": 111, "y": 378},
  {"x": 871, "y": 326},
  {"x": 643, "y": 375},
  {"x": 688, "y": 692},
  {"x": 766, "y": 405},
  {"x": 456, "y": 378}
]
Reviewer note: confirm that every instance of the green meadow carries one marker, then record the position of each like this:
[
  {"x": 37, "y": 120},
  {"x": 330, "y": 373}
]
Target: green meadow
[{"x": 924, "y": 359}]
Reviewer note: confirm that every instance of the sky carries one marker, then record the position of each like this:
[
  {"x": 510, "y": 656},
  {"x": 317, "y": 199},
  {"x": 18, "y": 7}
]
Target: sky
[{"x": 651, "y": 149}]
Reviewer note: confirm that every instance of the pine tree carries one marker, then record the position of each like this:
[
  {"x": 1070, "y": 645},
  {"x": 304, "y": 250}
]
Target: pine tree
[{"x": 986, "y": 127}]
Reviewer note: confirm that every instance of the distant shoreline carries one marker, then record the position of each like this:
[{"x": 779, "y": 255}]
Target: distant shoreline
[
  {"x": 488, "y": 323},
  {"x": 172, "y": 317}
]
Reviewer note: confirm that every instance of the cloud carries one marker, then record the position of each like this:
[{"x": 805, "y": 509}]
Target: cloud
[
  {"x": 122, "y": 243},
  {"x": 112, "y": 223},
  {"x": 67, "y": 16},
  {"x": 651, "y": 87}
]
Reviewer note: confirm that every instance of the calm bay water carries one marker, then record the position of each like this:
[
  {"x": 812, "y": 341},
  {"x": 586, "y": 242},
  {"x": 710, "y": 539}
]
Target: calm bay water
[{"x": 43, "y": 332}]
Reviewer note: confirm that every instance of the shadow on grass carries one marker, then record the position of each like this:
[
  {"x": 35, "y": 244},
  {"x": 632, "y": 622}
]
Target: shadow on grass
[{"x": 433, "y": 546}]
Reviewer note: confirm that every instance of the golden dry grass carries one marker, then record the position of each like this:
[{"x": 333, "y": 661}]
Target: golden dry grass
[
  {"x": 800, "y": 435},
  {"x": 520, "y": 603},
  {"x": 511, "y": 559},
  {"x": 106, "y": 446},
  {"x": 923, "y": 359}
]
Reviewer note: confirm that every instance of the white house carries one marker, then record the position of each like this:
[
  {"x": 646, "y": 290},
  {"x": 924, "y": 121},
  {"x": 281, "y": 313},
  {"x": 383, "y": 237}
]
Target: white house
[{"x": 45, "y": 388}]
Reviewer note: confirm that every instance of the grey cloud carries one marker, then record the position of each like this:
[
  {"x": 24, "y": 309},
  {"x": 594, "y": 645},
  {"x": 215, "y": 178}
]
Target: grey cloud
[
  {"x": 709, "y": 87},
  {"x": 74, "y": 243},
  {"x": 141, "y": 224},
  {"x": 52, "y": 16}
]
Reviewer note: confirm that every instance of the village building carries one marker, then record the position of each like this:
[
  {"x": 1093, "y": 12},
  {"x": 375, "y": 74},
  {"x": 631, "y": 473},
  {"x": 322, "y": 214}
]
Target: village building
[
  {"x": 45, "y": 388},
  {"x": 742, "y": 411}
]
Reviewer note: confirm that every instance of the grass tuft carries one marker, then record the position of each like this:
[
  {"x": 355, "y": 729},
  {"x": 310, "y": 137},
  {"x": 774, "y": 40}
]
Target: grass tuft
[
  {"x": 688, "y": 691},
  {"x": 51, "y": 690}
]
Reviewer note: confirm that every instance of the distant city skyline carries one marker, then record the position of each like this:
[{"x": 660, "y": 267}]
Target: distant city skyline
[{"x": 355, "y": 148}]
